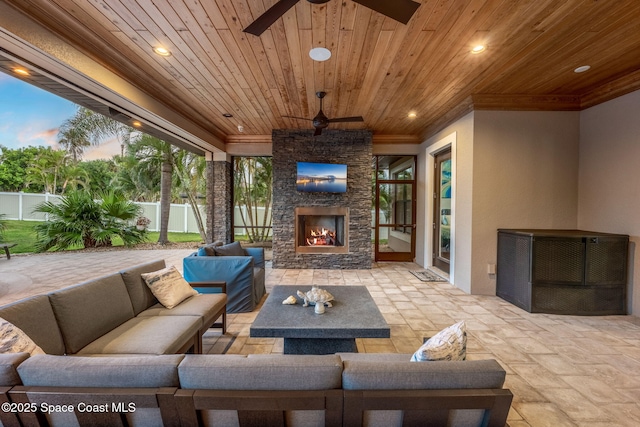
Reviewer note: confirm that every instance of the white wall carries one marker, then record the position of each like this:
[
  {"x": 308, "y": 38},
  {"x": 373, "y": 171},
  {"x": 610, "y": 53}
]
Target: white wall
[
  {"x": 609, "y": 176},
  {"x": 514, "y": 169},
  {"x": 525, "y": 175},
  {"x": 462, "y": 180}
]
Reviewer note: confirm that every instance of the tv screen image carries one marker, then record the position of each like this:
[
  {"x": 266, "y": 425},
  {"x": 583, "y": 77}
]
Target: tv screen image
[{"x": 322, "y": 178}]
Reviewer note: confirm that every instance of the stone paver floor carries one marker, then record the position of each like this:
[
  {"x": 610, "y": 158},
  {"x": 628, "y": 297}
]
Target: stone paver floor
[{"x": 562, "y": 370}]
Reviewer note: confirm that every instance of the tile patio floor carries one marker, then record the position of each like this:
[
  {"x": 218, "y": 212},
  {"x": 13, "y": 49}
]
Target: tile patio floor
[{"x": 562, "y": 370}]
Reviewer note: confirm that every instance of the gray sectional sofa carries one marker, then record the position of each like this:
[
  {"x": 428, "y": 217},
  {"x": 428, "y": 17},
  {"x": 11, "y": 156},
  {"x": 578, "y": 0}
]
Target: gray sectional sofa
[
  {"x": 115, "y": 314},
  {"x": 265, "y": 390},
  {"x": 109, "y": 363}
]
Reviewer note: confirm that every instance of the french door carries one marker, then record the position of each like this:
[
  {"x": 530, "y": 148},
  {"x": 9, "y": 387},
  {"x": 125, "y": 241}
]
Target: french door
[
  {"x": 394, "y": 198},
  {"x": 442, "y": 211}
]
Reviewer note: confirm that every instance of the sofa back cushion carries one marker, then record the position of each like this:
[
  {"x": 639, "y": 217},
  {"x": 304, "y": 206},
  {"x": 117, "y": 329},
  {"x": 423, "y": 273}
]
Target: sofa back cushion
[
  {"x": 260, "y": 372},
  {"x": 34, "y": 316},
  {"x": 101, "y": 371},
  {"x": 376, "y": 374},
  {"x": 8, "y": 368},
  {"x": 395, "y": 372},
  {"x": 89, "y": 310},
  {"x": 139, "y": 292}
]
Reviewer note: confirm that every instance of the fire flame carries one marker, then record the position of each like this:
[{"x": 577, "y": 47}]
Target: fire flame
[{"x": 322, "y": 237}]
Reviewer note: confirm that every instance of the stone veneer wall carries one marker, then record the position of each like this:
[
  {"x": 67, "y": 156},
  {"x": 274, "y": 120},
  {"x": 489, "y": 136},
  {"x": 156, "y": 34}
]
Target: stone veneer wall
[
  {"x": 222, "y": 201},
  {"x": 353, "y": 148}
]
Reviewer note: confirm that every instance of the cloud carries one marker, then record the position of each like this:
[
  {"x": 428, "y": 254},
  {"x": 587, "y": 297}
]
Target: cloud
[
  {"x": 106, "y": 150},
  {"x": 47, "y": 137}
]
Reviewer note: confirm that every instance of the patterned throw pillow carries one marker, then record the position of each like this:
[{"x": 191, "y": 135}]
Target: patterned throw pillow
[
  {"x": 14, "y": 340},
  {"x": 448, "y": 344},
  {"x": 168, "y": 286}
]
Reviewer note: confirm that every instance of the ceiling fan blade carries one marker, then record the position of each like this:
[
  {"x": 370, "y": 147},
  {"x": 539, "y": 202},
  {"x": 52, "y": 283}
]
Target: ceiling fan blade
[
  {"x": 294, "y": 117},
  {"x": 265, "y": 20},
  {"x": 318, "y": 132},
  {"x": 400, "y": 10},
  {"x": 347, "y": 119}
]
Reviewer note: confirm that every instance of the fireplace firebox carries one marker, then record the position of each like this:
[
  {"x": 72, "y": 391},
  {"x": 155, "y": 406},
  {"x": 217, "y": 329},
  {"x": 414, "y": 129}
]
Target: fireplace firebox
[{"x": 321, "y": 230}]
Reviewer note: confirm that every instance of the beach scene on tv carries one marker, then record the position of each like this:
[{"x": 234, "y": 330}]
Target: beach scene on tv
[{"x": 322, "y": 177}]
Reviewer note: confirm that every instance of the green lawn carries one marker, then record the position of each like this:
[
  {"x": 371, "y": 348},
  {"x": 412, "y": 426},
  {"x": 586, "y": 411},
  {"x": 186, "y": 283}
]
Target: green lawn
[{"x": 21, "y": 232}]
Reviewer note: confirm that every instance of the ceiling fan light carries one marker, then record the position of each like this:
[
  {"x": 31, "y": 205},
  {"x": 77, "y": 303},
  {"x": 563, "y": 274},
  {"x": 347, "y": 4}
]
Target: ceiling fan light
[{"x": 320, "y": 54}]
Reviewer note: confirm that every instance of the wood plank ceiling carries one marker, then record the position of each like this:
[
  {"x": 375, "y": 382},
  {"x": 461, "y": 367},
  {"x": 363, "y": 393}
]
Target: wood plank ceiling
[{"x": 379, "y": 69}]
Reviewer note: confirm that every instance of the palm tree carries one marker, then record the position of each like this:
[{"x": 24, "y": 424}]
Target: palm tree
[
  {"x": 87, "y": 128},
  {"x": 189, "y": 174},
  {"x": 253, "y": 189},
  {"x": 153, "y": 154},
  {"x": 47, "y": 170},
  {"x": 79, "y": 220}
]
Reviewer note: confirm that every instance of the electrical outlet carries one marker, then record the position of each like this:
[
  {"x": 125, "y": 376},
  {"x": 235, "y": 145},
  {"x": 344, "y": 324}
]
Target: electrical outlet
[{"x": 491, "y": 269}]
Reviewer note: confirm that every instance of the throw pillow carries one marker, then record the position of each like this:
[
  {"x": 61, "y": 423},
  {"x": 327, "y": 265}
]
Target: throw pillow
[
  {"x": 208, "y": 250},
  {"x": 232, "y": 249},
  {"x": 168, "y": 286},
  {"x": 448, "y": 344},
  {"x": 14, "y": 340}
]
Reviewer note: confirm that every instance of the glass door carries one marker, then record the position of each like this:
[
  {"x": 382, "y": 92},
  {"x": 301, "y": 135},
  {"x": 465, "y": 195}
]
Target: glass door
[
  {"x": 442, "y": 211},
  {"x": 395, "y": 206}
]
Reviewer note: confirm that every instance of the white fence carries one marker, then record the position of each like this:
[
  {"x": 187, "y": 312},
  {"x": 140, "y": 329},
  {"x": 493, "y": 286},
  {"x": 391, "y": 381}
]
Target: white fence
[{"x": 19, "y": 206}]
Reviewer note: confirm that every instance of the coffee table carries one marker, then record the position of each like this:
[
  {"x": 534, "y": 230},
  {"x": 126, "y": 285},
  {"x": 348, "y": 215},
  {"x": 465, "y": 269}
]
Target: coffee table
[{"x": 354, "y": 315}]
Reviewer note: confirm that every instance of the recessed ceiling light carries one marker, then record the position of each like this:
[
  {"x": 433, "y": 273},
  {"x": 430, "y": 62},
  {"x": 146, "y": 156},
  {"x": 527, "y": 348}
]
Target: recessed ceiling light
[
  {"x": 478, "y": 49},
  {"x": 136, "y": 124},
  {"x": 162, "y": 51},
  {"x": 412, "y": 115},
  {"x": 227, "y": 115},
  {"x": 320, "y": 54},
  {"x": 582, "y": 69},
  {"x": 21, "y": 71}
]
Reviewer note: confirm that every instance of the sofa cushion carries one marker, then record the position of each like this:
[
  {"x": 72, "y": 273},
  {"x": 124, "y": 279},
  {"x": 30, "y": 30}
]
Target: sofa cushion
[
  {"x": 14, "y": 340},
  {"x": 168, "y": 286},
  {"x": 202, "y": 305},
  {"x": 260, "y": 372},
  {"x": 89, "y": 310},
  {"x": 36, "y": 319},
  {"x": 9, "y": 363},
  {"x": 232, "y": 249},
  {"x": 146, "y": 335},
  {"x": 448, "y": 344},
  {"x": 375, "y": 374},
  {"x": 130, "y": 371},
  {"x": 140, "y": 294}
]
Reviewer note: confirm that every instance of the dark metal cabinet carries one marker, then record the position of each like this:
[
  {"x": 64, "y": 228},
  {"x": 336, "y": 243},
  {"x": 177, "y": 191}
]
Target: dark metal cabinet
[{"x": 563, "y": 271}]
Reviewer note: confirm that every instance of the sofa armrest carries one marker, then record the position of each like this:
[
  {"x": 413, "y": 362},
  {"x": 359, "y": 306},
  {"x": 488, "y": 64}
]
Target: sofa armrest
[
  {"x": 258, "y": 256},
  {"x": 209, "y": 285}
]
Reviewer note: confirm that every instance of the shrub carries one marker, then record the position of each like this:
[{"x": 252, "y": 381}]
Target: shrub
[{"x": 79, "y": 220}]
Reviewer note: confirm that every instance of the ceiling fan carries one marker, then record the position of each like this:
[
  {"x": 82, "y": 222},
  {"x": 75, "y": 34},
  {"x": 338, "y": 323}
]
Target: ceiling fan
[
  {"x": 400, "y": 10},
  {"x": 320, "y": 121}
]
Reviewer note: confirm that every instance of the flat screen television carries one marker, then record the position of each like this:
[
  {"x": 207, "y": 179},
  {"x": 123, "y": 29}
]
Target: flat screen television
[{"x": 321, "y": 178}]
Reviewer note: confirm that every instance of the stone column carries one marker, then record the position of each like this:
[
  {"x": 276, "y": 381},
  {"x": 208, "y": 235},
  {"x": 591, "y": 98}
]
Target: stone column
[
  {"x": 210, "y": 182},
  {"x": 222, "y": 198}
]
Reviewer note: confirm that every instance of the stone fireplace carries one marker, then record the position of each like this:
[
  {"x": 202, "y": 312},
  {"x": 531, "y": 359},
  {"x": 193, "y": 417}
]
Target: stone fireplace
[
  {"x": 345, "y": 242},
  {"x": 322, "y": 230}
]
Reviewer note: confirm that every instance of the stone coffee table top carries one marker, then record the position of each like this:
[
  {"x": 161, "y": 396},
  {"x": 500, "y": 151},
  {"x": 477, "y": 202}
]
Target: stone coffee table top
[{"x": 354, "y": 315}]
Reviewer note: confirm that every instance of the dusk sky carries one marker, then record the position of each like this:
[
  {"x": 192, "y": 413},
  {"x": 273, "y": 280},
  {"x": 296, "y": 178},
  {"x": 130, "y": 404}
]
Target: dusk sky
[{"x": 30, "y": 116}]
